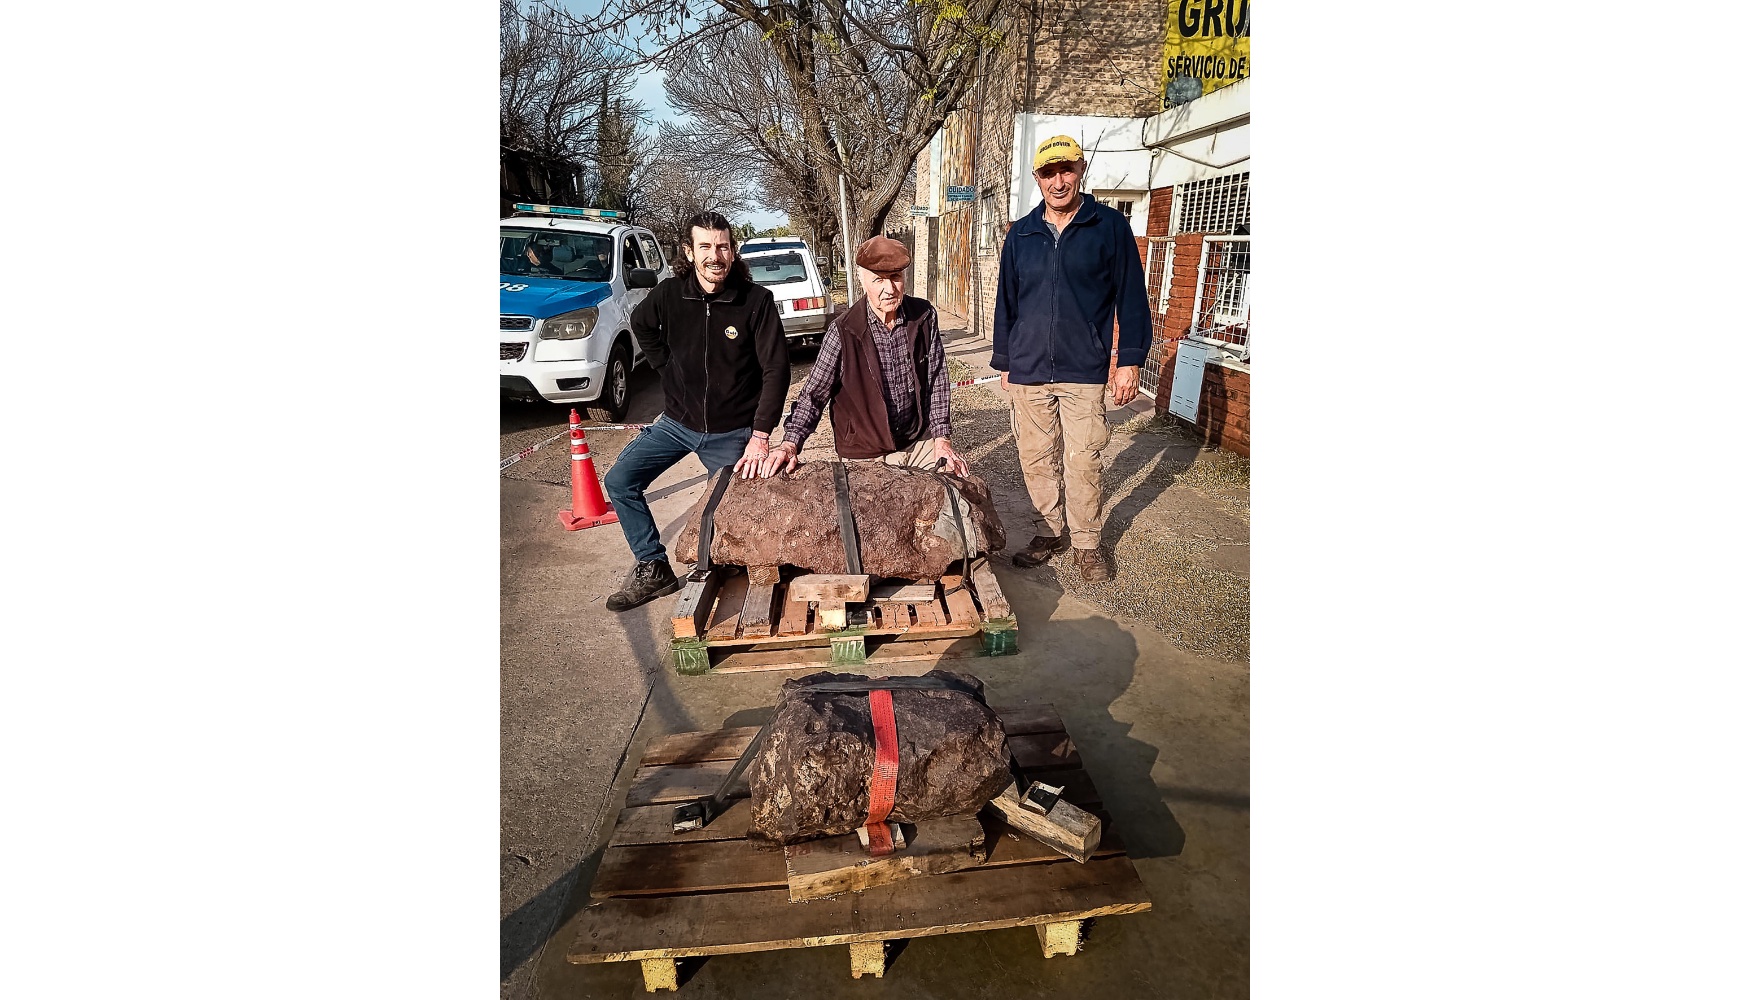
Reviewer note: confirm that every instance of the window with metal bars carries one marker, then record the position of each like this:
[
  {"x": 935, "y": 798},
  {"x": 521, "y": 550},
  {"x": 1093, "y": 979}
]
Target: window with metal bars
[{"x": 1213, "y": 205}]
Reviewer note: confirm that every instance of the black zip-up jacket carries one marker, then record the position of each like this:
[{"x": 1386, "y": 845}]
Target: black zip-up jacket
[{"x": 722, "y": 356}]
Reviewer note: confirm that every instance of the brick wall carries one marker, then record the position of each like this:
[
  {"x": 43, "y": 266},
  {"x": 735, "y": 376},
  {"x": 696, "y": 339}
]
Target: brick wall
[
  {"x": 1160, "y": 212},
  {"x": 1092, "y": 57},
  {"x": 1224, "y": 413}
]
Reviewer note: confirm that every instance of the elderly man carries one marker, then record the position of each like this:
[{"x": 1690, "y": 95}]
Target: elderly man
[
  {"x": 1068, "y": 268},
  {"x": 713, "y": 334},
  {"x": 882, "y": 372}
]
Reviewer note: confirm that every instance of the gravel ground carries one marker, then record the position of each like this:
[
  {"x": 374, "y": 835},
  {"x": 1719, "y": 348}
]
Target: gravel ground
[{"x": 1177, "y": 522}]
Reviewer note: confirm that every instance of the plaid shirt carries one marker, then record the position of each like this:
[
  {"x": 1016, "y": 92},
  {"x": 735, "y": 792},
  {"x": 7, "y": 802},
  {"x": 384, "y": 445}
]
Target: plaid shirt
[{"x": 898, "y": 377}]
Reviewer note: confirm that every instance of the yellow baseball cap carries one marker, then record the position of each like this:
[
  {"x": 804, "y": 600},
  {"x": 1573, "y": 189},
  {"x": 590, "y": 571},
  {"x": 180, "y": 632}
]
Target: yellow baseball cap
[{"x": 1057, "y": 149}]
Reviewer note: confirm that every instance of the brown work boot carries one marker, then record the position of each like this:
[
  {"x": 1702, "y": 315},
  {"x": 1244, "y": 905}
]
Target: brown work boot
[
  {"x": 1039, "y": 550},
  {"x": 1094, "y": 565}
]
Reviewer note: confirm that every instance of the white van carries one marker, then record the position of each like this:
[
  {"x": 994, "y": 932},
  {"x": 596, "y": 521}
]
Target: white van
[{"x": 786, "y": 266}]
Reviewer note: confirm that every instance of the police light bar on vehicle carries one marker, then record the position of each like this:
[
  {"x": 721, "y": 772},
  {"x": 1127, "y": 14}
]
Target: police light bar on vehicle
[{"x": 584, "y": 213}]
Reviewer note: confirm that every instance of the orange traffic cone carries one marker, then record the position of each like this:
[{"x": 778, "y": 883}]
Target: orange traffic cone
[{"x": 588, "y": 507}]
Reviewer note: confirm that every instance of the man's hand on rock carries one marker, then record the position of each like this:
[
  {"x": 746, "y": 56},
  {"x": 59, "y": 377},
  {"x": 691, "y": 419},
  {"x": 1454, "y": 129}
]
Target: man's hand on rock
[
  {"x": 956, "y": 464},
  {"x": 781, "y": 459},
  {"x": 751, "y": 458}
]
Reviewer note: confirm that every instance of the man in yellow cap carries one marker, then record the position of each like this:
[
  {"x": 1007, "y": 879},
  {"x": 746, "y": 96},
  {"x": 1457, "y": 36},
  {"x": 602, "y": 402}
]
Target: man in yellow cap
[
  {"x": 1069, "y": 268},
  {"x": 882, "y": 371}
]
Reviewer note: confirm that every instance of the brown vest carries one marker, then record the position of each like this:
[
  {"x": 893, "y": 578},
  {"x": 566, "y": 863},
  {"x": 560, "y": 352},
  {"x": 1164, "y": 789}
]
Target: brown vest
[{"x": 859, "y": 409}]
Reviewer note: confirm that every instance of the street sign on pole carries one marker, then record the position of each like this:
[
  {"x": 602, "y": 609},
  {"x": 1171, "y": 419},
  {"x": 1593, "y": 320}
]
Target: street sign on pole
[{"x": 960, "y": 193}]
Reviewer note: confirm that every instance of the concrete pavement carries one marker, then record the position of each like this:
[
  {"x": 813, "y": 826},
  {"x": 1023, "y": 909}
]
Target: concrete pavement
[{"x": 1163, "y": 731}]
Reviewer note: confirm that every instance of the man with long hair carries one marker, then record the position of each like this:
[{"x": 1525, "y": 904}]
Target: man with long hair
[{"x": 715, "y": 336}]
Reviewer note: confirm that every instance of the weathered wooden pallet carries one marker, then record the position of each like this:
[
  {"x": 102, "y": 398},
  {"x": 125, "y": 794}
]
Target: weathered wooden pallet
[
  {"x": 734, "y": 621},
  {"x": 659, "y": 896}
]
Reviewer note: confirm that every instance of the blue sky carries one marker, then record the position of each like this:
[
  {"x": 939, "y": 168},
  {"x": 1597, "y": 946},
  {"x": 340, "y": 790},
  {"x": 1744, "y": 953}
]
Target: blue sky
[{"x": 648, "y": 92}]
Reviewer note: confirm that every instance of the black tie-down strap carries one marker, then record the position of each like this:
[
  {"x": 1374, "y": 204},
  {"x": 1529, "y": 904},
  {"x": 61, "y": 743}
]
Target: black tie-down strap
[
  {"x": 953, "y": 497},
  {"x": 702, "y": 568},
  {"x": 841, "y": 485}
]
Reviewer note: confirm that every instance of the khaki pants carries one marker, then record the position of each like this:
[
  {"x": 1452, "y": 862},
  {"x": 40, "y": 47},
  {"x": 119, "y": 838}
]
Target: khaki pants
[
  {"x": 1060, "y": 430},
  {"x": 921, "y": 455}
]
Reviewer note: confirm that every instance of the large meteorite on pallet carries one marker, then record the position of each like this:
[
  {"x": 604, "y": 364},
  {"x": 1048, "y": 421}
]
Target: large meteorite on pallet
[
  {"x": 905, "y": 526},
  {"x": 813, "y": 774}
]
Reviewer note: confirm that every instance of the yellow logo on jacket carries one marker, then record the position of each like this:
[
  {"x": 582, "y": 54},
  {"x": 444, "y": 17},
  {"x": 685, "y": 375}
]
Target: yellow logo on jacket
[{"x": 729, "y": 331}]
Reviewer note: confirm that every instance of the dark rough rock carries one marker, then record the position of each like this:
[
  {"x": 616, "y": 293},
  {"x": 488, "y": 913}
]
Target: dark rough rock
[
  {"x": 904, "y": 525},
  {"x": 811, "y": 776}
]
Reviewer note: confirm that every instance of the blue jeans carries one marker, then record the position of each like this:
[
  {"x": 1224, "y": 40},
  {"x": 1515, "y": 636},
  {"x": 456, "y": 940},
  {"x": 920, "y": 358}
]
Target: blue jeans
[{"x": 653, "y": 452}]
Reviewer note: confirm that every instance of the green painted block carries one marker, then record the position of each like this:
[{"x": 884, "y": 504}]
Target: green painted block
[
  {"x": 849, "y": 650},
  {"x": 691, "y": 657},
  {"x": 1000, "y": 642}
]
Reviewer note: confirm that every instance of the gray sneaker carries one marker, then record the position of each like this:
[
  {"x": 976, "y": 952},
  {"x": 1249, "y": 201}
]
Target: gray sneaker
[{"x": 649, "y": 580}]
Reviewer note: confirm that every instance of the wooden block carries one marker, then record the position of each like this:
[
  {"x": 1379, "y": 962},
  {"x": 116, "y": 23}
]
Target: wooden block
[
  {"x": 984, "y": 584},
  {"x": 660, "y": 974},
  {"x": 1069, "y": 829},
  {"x": 928, "y": 613},
  {"x": 895, "y": 615},
  {"x": 830, "y": 616},
  {"x": 849, "y": 649},
  {"x": 762, "y": 576},
  {"x": 756, "y": 610},
  {"x": 1061, "y": 938},
  {"x": 794, "y": 620},
  {"x": 868, "y": 957},
  {"x": 694, "y": 605},
  {"x": 977, "y": 899},
  {"x": 726, "y": 617},
  {"x": 691, "y": 656},
  {"x": 906, "y": 592},
  {"x": 841, "y": 587},
  {"x": 832, "y": 865},
  {"x": 961, "y": 610}
]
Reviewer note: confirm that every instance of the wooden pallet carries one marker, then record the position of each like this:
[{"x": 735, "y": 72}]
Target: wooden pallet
[
  {"x": 659, "y": 896},
  {"x": 729, "y": 623}
]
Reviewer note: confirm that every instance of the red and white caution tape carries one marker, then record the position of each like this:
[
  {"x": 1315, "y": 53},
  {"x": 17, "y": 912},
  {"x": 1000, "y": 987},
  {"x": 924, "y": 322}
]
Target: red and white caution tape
[
  {"x": 982, "y": 379},
  {"x": 538, "y": 445}
]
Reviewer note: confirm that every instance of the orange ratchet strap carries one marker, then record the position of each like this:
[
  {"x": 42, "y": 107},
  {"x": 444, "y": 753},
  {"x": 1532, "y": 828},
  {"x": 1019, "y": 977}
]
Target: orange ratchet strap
[{"x": 886, "y": 773}]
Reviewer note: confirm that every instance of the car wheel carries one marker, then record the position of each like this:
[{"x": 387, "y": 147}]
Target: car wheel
[{"x": 610, "y": 406}]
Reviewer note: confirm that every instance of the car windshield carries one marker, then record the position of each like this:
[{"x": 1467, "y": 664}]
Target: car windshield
[
  {"x": 777, "y": 268},
  {"x": 556, "y": 254}
]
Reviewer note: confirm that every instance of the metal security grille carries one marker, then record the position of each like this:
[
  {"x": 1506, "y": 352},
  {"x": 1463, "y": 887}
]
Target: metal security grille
[
  {"x": 1158, "y": 275},
  {"x": 1222, "y": 310},
  {"x": 515, "y": 323},
  {"x": 511, "y": 352},
  {"x": 1215, "y": 205}
]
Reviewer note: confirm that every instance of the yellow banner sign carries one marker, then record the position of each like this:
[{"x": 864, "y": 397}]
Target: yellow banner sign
[{"x": 1208, "y": 46}]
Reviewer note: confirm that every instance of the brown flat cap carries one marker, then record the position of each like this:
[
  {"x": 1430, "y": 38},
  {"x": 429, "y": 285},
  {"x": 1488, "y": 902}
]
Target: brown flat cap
[{"x": 881, "y": 254}]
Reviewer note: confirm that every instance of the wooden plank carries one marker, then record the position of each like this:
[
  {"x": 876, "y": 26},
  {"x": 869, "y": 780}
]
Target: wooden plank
[
  {"x": 794, "y": 620},
  {"x": 726, "y": 616},
  {"x": 762, "y": 576},
  {"x": 1045, "y": 750},
  {"x": 1068, "y": 828},
  {"x": 904, "y": 591},
  {"x": 655, "y": 825},
  {"x": 705, "y": 866},
  {"x": 895, "y": 616},
  {"x": 681, "y": 782},
  {"x": 756, "y": 610},
  {"x": 840, "y": 587},
  {"x": 928, "y": 613},
  {"x": 961, "y": 610},
  {"x": 990, "y": 596},
  {"x": 832, "y": 865},
  {"x": 719, "y": 858},
  {"x": 634, "y": 928},
  {"x": 915, "y": 654},
  {"x": 694, "y": 605}
]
